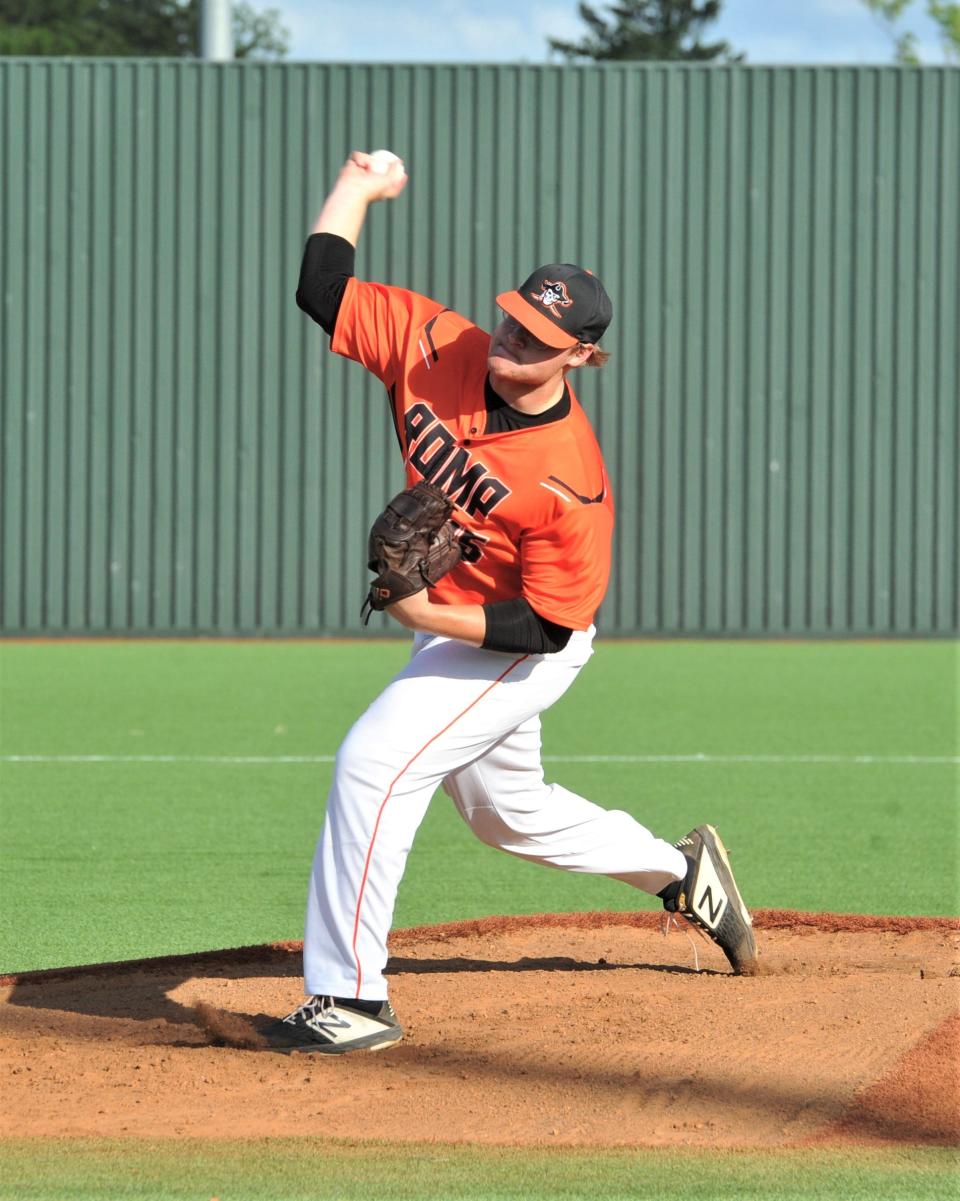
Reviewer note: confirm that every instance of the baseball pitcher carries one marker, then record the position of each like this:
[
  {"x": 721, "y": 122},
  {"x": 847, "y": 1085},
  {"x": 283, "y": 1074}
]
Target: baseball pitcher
[{"x": 496, "y": 556}]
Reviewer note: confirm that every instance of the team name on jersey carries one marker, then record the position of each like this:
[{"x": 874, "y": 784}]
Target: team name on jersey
[{"x": 439, "y": 458}]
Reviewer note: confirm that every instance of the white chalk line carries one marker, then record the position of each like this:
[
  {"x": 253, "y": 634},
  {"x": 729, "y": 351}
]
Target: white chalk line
[{"x": 696, "y": 757}]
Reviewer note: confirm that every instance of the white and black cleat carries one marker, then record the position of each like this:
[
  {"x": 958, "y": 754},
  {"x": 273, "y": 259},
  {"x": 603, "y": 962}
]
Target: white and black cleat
[
  {"x": 709, "y": 898},
  {"x": 333, "y": 1027}
]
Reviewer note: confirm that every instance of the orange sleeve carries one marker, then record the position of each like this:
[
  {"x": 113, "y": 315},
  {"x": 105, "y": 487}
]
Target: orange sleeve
[
  {"x": 566, "y": 565},
  {"x": 375, "y": 324}
]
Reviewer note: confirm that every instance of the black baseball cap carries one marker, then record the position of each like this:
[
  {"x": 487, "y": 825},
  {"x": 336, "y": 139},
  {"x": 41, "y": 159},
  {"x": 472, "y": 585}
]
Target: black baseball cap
[{"x": 561, "y": 305}]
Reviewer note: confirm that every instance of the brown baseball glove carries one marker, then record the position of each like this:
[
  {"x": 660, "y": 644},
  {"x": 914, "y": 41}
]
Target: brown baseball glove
[{"x": 413, "y": 543}]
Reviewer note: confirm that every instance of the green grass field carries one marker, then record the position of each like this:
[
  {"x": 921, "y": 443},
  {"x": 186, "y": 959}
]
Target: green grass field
[
  {"x": 164, "y": 797},
  {"x": 306, "y": 1170},
  {"x": 194, "y": 826}
]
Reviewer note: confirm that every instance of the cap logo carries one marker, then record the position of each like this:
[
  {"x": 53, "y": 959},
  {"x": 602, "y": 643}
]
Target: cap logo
[{"x": 553, "y": 296}]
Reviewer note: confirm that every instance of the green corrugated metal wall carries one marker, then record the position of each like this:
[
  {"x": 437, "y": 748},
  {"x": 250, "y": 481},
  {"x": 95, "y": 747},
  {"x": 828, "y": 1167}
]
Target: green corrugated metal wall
[{"x": 780, "y": 414}]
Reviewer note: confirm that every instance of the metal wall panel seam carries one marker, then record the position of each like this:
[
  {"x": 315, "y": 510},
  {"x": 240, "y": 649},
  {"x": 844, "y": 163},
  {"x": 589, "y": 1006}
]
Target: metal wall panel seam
[
  {"x": 937, "y": 377},
  {"x": 116, "y": 357},
  {"x": 909, "y": 424},
  {"x": 183, "y": 432},
  {"x": 618, "y": 238},
  {"x": 250, "y": 528},
  {"x": 29, "y": 287},
  {"x": 905, "y": 378},
  {"x": 133, "y": 276},
  {"x": 836, "y": 563},
  {"x": 677, "y": 406},
  {"x": 161, "y": 330},
  {"x": 285, "y": 583},
  {"x": 16, "y": 316},
  {"x": 75, "y": 549},
  {"x": 734, "y": 307},
  {"x": 182, "y": 450},
  {"x": 651, "y": 358},
  {"x": 828, "y": 169},
  {"x": 796, "y": 399},
  {"x": 144, "y": 396},
  {"x": 845, "y": 367},
  {"x": 754, "y": 451},
  {"x": 311, "y": 381},
  {"x": 885, "y": 348},
  {"x": 859, "y": 468},
  {"x": 89, "y": 542},
  {"x": 692, "y": 431},
  {"x": 41, "y": 375},
  {"x": 206, "y": 360},
  {"x": 876, "y": 248},
  {"x": 140, "y": 305},
  {"x": 331, "y": 503},
  {"x": 269, "y": 428},
  {"x": 925, "y": 399},
  {"x": 33, "y": 426},
  {"x": 5, "y": 306},
  {"x": 301, "y": 222},
  {"x": 948, "y": 389},
  {"x": 818, "y": 350},
  {"x": 673, "y": 400},
  {"x": 777, "y": 462},
  {"x": 895, "y": 391},
  {"x": 223, "y": 441},
  {"x": 229, "y": 431},
  {"x": 105, "y": 499},
  {"x": 709, "y": 583},
  {"x": 56, "y": 398},
  {"x": 100, "y": 402},
  {"x": 162, "y": 489}
]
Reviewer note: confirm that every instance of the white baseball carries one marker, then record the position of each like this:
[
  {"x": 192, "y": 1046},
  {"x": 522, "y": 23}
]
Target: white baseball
[{"x": 382, "y": 160}]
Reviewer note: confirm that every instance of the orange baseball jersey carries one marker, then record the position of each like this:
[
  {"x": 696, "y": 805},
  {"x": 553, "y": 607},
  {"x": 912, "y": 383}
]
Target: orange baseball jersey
[{"x": 537, "y": 501}]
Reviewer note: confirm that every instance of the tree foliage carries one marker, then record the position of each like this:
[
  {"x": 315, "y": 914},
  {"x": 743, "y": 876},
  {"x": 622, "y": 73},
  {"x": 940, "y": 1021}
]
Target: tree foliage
[
  {"x": 944, "y": 14},
  {"x": 121, "y": 28},
  {"x": 648, "y": 29}
]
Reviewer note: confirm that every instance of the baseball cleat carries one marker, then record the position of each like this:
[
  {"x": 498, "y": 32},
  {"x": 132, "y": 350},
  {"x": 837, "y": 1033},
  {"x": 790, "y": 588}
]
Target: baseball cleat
[
  {"x": 709, "y": 898},
  {"x": 332, "y": 1027}
]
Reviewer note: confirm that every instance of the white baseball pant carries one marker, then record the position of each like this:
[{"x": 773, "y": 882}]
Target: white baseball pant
[{"x": 468, "y": 719}]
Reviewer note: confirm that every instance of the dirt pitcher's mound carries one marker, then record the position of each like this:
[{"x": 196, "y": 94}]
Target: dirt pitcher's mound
[{"x": 566, "y": 1029}]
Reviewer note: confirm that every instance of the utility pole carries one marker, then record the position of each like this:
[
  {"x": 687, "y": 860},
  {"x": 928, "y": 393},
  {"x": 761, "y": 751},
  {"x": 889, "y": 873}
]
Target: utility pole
[{"x": 216, "y": 31}]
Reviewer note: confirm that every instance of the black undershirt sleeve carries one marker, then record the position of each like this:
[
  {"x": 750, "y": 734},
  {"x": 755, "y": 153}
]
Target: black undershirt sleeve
[
  {"x": 514, "y": 626},
  {"x": 328, "y": 263}
]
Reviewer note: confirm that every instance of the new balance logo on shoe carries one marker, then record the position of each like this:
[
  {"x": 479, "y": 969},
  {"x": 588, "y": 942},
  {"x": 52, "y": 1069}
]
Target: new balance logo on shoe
[
  {"x": 333, "y": 1027},
  {"x": 337, "y": 1026},
  {"x": 332, "y": 1021},
  {"x": 715, "y": 910},
  {"x": 708, "y": 896}
]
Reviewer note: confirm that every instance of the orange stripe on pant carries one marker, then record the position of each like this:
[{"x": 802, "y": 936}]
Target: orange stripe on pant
[{"x": 406, "y": 767}]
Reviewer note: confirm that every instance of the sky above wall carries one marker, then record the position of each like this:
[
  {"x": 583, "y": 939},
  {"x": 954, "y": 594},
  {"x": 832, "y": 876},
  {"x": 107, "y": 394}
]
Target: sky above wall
[{"x": 768, "y": 31}]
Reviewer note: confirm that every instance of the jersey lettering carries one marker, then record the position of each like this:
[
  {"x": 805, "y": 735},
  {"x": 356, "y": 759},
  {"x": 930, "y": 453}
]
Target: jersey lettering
[
  {"x": 457, "y": 483},
  {"x": 487, "y": 496},
  {"x": 433, "y": 450},
  {"x": 416, "y": 420}
]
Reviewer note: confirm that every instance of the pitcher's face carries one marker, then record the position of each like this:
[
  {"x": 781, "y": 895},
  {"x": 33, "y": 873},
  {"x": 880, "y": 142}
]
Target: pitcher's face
[{"x": 518, "y": 356}]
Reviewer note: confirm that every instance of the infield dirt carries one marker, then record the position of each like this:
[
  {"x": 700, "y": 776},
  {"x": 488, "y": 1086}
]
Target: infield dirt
[{"x": 573, "y": 1029}]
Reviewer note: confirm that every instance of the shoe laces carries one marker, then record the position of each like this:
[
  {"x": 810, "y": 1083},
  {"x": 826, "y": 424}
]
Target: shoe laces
[
  {"x": 673, "y": 921},
  {"x": 311, "y": 1009}
]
